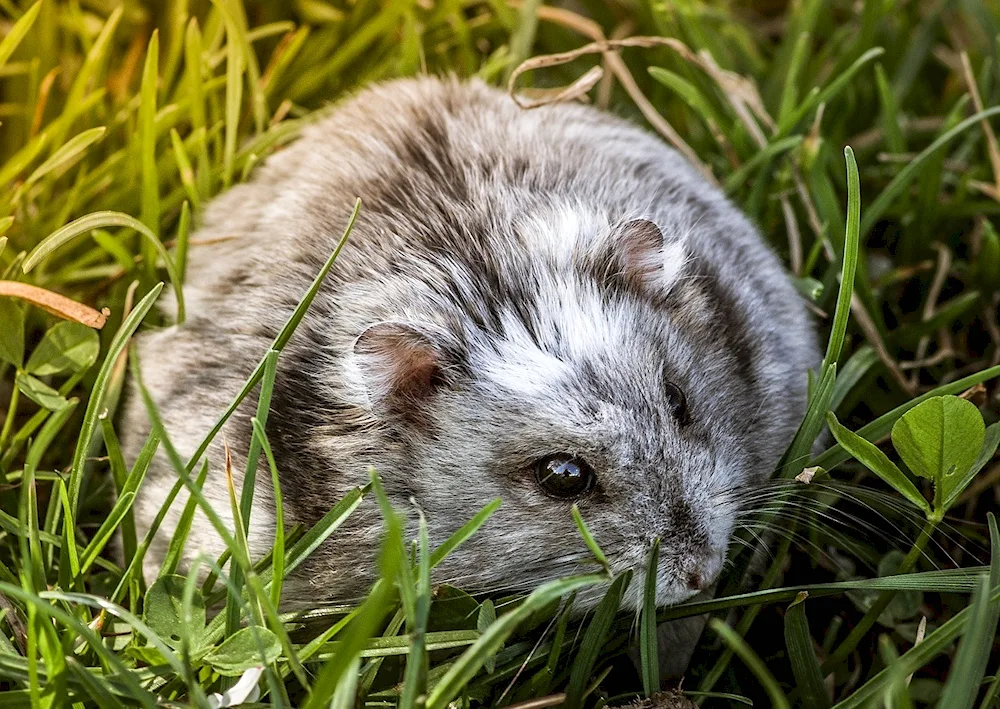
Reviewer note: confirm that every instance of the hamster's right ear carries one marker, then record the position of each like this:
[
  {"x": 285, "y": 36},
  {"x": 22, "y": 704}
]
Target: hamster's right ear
[
  {"x": 646, "y": 258},
  {"x": 401, "y": 366}
]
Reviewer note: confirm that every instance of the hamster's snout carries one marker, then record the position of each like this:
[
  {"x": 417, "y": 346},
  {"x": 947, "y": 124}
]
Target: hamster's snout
[
  {"x": 699, "y": 572},
  {"x": 695, "y": 580}
]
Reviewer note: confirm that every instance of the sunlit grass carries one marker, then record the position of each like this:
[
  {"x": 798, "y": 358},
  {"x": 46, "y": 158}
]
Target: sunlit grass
[{"x": 117, "y": 124}]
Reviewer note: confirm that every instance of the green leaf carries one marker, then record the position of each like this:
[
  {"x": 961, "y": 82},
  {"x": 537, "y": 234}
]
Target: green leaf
[
  {"x": 246, "y": 648},
  {"x": 11, "y": 332},
  {"x": 869, "y": 455},
  {"x": 805, "y": 666},
  {"x": 68, "y": 346},
  {"x": 990, "y": 445},
  {"x": 163, "y": 612},
  {"x": 40, "y": 392},
  {"x": 940, "y": 440},
  {"x": 835, "y": 455}
]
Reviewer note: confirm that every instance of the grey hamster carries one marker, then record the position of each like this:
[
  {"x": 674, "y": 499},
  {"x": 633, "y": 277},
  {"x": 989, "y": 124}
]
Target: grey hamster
[{"x": 546, "y": 306}]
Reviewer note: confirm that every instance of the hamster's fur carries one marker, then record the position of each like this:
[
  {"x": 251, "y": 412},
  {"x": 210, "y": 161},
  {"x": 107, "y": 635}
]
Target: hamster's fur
[{"x": 504, "y": 296}]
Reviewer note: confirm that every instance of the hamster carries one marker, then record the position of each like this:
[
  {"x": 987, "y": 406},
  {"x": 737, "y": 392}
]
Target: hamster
[{"x": 547, "y": 307}]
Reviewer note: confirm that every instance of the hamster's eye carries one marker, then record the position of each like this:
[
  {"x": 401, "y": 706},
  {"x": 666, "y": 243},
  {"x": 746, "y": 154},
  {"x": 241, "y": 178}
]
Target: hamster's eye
[
  {"x": 564, "y": 476},
  {"x": 676, "y": 403}
]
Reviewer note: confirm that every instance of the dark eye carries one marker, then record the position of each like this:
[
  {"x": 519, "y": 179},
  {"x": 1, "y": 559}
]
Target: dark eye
[
  {"x": 676, "y": 403},
  {"x": 564, "y": 476}
]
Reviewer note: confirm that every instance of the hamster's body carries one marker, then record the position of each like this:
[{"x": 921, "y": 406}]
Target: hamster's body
[{"x": 504, "y": 298}]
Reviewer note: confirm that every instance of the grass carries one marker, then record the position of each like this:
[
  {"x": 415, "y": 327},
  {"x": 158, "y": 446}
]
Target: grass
[{"x": 882, "y": 584}]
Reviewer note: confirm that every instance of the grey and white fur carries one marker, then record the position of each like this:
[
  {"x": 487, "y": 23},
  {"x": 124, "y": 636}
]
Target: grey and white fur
[{"x": 518, "y": 284}]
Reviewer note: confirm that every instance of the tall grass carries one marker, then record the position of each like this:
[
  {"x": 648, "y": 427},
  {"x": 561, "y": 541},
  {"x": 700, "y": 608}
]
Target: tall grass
[{"x": 119, "y": 121}]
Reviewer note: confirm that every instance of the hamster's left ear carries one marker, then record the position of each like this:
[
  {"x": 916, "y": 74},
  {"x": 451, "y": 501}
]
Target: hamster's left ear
[
  {"x": 648, "y": 260},
  {"x": 401, "y": 366}
]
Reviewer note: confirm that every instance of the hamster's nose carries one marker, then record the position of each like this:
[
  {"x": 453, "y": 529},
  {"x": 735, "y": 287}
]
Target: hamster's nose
[
  {"x": 696, "y": 580},
  {"x": 699, "y": 573}
]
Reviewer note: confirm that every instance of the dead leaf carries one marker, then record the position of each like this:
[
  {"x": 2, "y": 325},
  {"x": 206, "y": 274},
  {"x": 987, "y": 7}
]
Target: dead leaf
[
  {"x": 56, "y": 304},
  {"x": 807, "y": 475}
]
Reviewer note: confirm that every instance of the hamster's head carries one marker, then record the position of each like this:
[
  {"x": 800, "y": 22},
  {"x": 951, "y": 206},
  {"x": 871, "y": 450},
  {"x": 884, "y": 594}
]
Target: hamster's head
[{"x": 598, "y": 368}]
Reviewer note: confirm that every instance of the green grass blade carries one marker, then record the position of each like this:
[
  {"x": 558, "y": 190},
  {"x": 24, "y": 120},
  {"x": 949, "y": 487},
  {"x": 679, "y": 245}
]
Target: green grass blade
[
  {"x": 324, "y": 528},
  {"x": 951, "y": 581},
  {"x": 805, "y": 666},
  {"x": 899, "y": 183},
  {"x": 589, "y": 540},
  {"x": 898, "y": 689},
  {"x": 889, "y": 116},
  {"x": 969, "y": 666},
  {"x": 790, "y": 89},
  {"x": 18, "y": 32},
  {"x": 278, "y": 555},
  {"x": 648, "y": 640},
  {"x": 280, "y": 341},
  {"x": 738, "y": 177},
  {"x": 245, "y": 502},
  {"x": 464, "y": 532},
  {"x": 841, "y": 315},
  {"x": 417, "y": 662},
  {"x": 67, "y": 154},
  {"x": 98, "y": 220},
  {"x": 593, "y": 641},
  {"x": 468, "y": 664},
  {"x": 753, "y": 661},
  {"x": 95, "y": 405},
  {"x": 235, "y": 61},
  {"x": 369, "y": 616},
  {"x": 147, "y": 146},
  {"x": 175, "y": 551},
  {"x": 816, "y": 97}
]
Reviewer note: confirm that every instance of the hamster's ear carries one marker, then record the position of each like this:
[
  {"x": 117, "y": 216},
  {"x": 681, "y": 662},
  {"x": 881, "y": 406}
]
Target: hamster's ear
[
  {"x": 400, "y": 366},
  {"x": 649, "y": 261}
]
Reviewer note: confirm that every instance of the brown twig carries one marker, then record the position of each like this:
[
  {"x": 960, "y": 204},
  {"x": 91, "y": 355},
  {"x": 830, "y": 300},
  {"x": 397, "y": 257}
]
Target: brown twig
[
  {"x": 794, "y": 236},
  {"x": 991, "y": 138},
  {"x": 930, "y": 304},
  {"x": 871, "y": 333},
  {"x": 553, "y": 700},
  {"x": 44, "y": 90},
  {"x": 601, "y": 45},
  {"x": 607, "y": 84}
]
